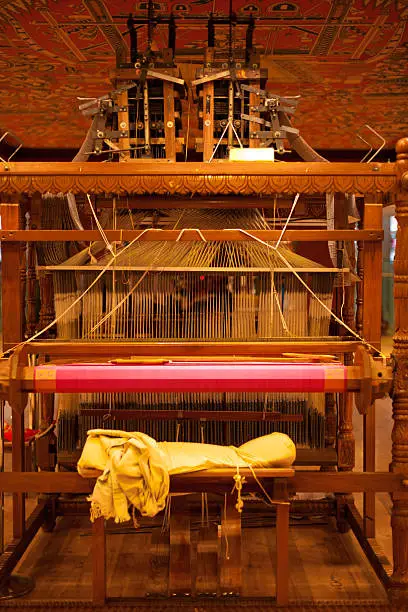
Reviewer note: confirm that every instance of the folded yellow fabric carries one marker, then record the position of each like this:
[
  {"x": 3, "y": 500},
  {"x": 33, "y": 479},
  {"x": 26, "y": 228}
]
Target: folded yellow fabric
[{"x": 136, "y": 469}]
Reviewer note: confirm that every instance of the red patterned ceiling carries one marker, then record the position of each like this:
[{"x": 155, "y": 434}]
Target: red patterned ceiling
[{"x": 348, "y": 60}]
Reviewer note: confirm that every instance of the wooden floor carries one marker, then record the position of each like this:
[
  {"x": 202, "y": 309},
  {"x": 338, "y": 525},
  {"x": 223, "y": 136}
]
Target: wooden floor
[{"x": 324, "y": 564}]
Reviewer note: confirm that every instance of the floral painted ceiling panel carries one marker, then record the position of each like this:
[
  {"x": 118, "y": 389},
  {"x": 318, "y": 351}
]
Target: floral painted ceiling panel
[{"x": 346, "y": 58}]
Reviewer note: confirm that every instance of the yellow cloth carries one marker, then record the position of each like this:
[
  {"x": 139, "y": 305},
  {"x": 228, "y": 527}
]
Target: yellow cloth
[{"x": 136, "y": 469}]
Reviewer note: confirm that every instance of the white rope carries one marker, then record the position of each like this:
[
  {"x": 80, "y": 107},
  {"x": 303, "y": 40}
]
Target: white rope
[
  {"x": 222, "y": 136},
  {"x": 288, "y": 219},
  {"x": 77, "y": 300},
  {"x": 99, "y": 226},
  {"x": 137, "y": 283},
  {"x": 306, "y": 286},
  {"x": 190, "y": 229}
]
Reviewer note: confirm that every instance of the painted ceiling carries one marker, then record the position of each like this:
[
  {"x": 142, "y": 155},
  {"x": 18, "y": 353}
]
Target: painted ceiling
[{"x": 347, "y": 59}]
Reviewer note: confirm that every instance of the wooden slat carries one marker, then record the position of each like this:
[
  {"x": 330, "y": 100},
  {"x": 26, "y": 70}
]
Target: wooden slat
[
  {"x": 208, "y": 120},
  {"x": 123, "y": 120},
  {"x": 217, "y": 480},
  {"x": 158, "y": 575},
  {"x": 98, "y": 561},
  {"x": 207, "y": 561},
  {"x": 372, "y": 318},
  {"x": 169, "y": 121},
  {"x": 180, "y": 582},
  {"x": 112, "y": 350},
  {"x": 282, "y": 554},
  {"x": 224, "y": 168},
  {"x": 231, "y": 548},
  {"x": 168, "y": 235},
  {"x": 304, "y": 457}
]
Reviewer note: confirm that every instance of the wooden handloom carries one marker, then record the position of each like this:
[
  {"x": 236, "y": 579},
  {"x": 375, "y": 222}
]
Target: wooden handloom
[{"x": 21, "y": 184}]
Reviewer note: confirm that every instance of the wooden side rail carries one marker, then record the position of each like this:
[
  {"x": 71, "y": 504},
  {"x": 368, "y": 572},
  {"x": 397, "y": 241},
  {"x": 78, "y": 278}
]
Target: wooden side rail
[
  {"x": 219, "y": 480},
  {"x": 314, "y": 235}
]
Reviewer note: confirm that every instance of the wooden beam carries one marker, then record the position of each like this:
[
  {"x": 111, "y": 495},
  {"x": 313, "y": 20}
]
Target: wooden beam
[
  {"x": 219, "y": 479},
  {"x": 190, "y": 235},
  {"x": 153, "y": 177},
  {"x": 149, "y": 168},
  {"x": 81, "y": 349}
]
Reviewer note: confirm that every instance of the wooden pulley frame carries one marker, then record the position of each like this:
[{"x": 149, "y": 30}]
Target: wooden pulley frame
[{"x": 375, "y": 379}]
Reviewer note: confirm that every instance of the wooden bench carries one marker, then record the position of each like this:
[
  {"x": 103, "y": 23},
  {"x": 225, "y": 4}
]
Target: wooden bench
[{"x": 223, "y": 552}]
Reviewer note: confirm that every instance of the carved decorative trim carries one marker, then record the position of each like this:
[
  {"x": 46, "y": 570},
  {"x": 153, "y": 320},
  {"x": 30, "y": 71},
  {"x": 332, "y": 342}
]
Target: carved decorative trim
[{"x": 191, "y": 178}]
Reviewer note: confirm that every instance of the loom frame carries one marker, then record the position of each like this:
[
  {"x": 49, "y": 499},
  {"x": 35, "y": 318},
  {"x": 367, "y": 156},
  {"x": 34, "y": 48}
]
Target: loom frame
[{"x": 372, "y": 180}]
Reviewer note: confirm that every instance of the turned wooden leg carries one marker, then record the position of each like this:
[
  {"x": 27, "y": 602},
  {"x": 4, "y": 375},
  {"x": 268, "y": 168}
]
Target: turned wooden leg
[
  {"x": 398, "y": 591},
  {"x": 369, "y": 466},
  {"x": 346, "y": 445},
  {"x": 345, "y": 454}
]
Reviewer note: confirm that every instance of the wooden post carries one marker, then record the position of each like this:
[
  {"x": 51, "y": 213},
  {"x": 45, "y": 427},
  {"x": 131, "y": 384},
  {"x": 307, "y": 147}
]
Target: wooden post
[
  {"x": 99, "y": 561},
  {"x": 372, "y": 298},
  {"x": 254, "y": 143},
  {"x": 169, "y": 121},
  {"x": 282, "y": 553},
  {"x": 12, "y": 327},
  {"x": 208, "y": 121},
  {"x": 123, "y": 125},
  {"x": 12, "y": 303},
  {"x": 399, "y": 519},
  {"x": 346, "y": 441}
]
